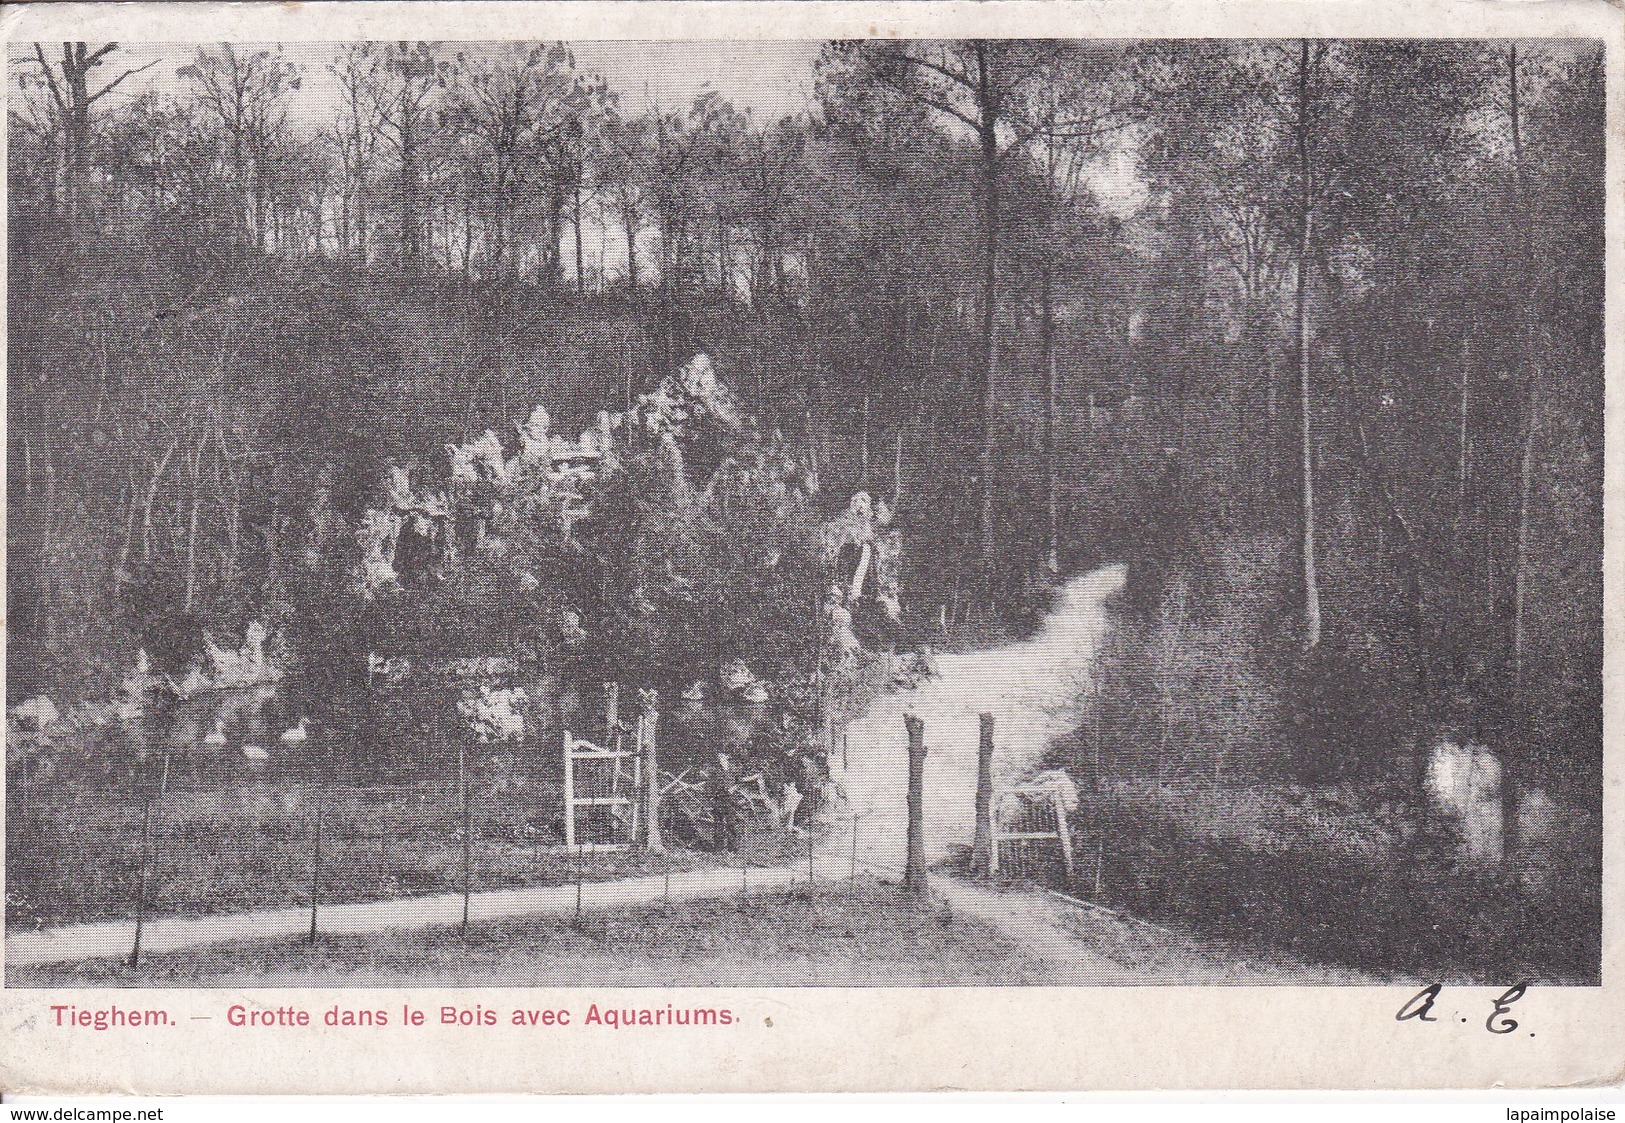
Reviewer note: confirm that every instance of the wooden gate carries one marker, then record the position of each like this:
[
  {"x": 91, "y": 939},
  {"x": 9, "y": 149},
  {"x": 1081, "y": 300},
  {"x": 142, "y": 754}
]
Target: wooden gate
[
  {"x": 601, "y": 795},
  {"x": 1030, "y": 814}
]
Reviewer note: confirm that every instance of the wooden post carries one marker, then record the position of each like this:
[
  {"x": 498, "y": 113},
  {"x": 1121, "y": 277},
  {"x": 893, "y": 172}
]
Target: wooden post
[
  {"x": 852, "y": 873},
  {"x": 468, "y": 824},
  {"x": 826, "y": 715},
  {"x": 569, "y": 791},
  {"x": 1064, "y": 830},
  {"x": 914, "y": 871},
  {"x": 648, "y": 718},
  {"x": 982, "y": 841},
  {"x": 612, "y": 715}
]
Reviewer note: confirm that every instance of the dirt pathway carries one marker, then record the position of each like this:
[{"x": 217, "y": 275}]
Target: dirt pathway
[
  {"x": 1035, "y": 692},
  {"x": 1032, "y": 689}
]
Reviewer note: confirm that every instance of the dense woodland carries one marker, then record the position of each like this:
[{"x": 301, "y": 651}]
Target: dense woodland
[{"x": 1328, "y": 377}]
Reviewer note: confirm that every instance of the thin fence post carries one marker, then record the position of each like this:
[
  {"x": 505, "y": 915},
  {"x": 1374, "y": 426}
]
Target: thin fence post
[
  {"x": 569, "y": 792},
  {"x": 142, "y": 871},
  {"x": 811, "y": 875},
  {"x": 612, "y": 715},
  {"x": 648, "y": 719},
  {"x": 580, "y": 861},
  {"x": 852, "y": 875},
  {"x": 316, "y": 860},
  {"x": 826, "y": 717},
  {"x": 914, "y": 872},
  {"x": 468, "y": 823},
  {"x": 1100, "y": 862},
  {"x": 141, "y": 881},
  {"x": 982, "y": 842}
]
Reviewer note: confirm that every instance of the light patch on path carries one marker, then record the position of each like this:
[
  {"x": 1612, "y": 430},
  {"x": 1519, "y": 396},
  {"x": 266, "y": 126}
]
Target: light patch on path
[{"x": 1034, "y": 691}]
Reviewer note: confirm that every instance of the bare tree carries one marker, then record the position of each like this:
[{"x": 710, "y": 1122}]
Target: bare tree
[
  {"x": 519, "y": 105},
  {"x": 246, "y": 94},
  {"x": 620, "y": 159},
  {"x": 355, "y": 131},
  {"x": 72, "y": 100},
  {"x": 414, "y": 81}
]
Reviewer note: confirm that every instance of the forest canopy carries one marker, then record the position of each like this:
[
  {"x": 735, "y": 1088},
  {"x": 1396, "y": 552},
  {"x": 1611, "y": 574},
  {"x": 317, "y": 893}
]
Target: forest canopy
[{"x": 1325, "y": 311}]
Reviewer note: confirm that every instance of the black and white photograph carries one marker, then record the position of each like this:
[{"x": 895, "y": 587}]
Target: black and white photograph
[{"x": 798, "y": 513}]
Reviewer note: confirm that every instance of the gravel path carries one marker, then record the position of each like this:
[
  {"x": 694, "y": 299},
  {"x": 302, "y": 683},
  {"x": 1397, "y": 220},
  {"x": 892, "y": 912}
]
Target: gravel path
[{"x": 1033, "y": 689}]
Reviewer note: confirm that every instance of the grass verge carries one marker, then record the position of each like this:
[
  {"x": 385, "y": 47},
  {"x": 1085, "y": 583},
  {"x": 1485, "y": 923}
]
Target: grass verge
[
  {"x": 77, "y": 857},
  {"x": 863, "y": 933}
]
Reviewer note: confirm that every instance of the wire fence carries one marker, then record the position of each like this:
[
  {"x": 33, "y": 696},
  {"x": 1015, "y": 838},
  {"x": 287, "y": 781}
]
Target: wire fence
[
  {"x": 178, "y": 840},
  {"x": 188, "y": 848},
  {"x": 172, "y": 843}
]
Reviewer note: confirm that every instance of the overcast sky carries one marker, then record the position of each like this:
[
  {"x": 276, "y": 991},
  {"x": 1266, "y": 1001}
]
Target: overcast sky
[{"x": 770, "y": 79}]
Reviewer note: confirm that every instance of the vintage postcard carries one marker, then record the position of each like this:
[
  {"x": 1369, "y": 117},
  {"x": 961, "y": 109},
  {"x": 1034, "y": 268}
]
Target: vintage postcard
[{"x": 813, "y": 546}]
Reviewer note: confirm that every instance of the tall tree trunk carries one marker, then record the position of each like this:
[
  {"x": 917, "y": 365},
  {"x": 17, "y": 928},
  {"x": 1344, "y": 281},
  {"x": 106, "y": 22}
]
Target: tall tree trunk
[
  {"x": 468, "y": 233},
  {"x": 1052, "y": 506},
  {"x": 897, "y": 470},
  {"x": 352, "y": 236},
  {"x": 631, "y": 254},
  {"x": 409, "y": 175},
  {"x": 1306, "y": 464},
  {"x": 581, "y": 267},
  {"x": 863, "y": 463},
  {"x": 76, "y": 129},
  {"x": 151, "y": 498},
  {"x": 1463, "y": 439},
  {"x": 361, "y": 230},
  {"x": 553, "y": 260},
  {"x": 131, "y": 495},
  {"x": 1526, "y": 473},
  {"x": 196, "y": 472},
  {"x": 989, "y": 138},
  {"x": 344, "y": 221},
  {"x": 724, "y": 262},
  {"x": 1532, "y": 378}
]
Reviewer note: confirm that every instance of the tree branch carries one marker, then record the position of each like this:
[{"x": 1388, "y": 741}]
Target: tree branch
[
  {"x": 107, "y": 89},
  {"x": 957, "y": 77},
  {"x": 50, "y": 79},
  {"x": 921, "y": 96},
  {"x": 1073, "y": 130}
]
